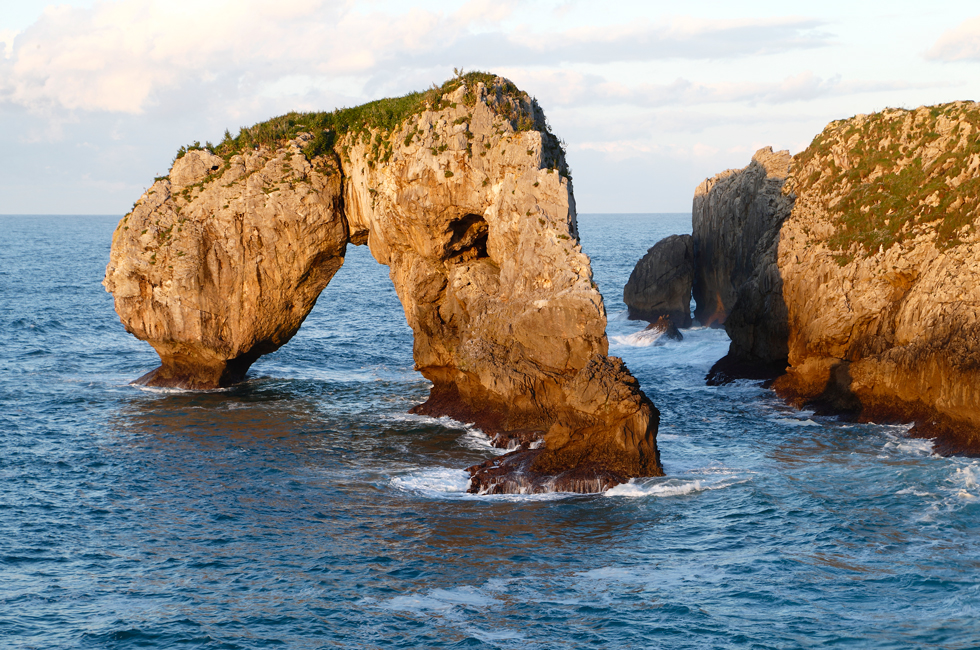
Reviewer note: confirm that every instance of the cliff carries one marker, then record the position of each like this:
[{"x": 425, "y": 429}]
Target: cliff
[
  {"x": 464, "y": 193},
  {"x": 877, "y": 269},
  {"x": 735, "y": 218}
]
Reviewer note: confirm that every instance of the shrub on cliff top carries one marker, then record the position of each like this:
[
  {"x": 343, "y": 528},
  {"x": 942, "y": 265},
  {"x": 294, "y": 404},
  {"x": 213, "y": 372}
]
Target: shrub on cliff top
[
  {"x": 382, "y": 115},
  {"x": 893, "y": 173}
]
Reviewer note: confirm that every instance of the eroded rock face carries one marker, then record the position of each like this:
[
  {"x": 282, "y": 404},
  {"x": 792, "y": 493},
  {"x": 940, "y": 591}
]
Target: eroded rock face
[
  {"x": 215, "y": 274},
  {"x": 660, "y": 284},
  {"x": 878, "y": 267},
  {"x": 467, "y": 204},
  {"x": 735, "y": 217}
]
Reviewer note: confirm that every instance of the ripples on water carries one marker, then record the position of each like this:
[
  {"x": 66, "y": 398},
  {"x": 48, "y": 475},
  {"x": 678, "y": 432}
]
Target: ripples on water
[{"x": 305, "y": 509}]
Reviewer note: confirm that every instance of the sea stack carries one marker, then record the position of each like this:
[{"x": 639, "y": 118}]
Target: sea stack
[
  {"x": 464, "y": 194},
  {"x": 735, "y": 219},
  {"x": 866, "y": 287},
  {"x": 660, "y": 284}
]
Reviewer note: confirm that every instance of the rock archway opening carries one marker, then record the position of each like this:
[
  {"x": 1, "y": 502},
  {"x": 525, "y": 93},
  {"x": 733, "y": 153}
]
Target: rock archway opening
[{"x": 357, "y": 329}]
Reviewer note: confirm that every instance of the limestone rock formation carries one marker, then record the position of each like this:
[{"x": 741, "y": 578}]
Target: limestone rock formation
[
  {"x": 878, "y": 268},
  {"x": 215, "y": 271},
  {"x": 660, "y": 284},
  {"x": 735, "y": 218},
  {"x": 464, "y": 194}
]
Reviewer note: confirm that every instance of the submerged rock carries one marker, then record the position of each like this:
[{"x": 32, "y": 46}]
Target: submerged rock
[
  {"x": 660, "y": 284},
  {"x": 665, "y": 326},
  {"x": 872, "y": 281},
  {"x": 514, "y": 473},
  {"x": 465, "y": 197}
]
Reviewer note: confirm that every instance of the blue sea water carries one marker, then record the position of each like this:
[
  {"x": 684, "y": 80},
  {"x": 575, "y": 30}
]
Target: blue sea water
[{"x": 306, "y": 509}]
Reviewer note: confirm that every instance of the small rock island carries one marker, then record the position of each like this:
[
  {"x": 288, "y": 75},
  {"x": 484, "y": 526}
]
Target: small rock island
[
  {"x": 464, "y": 193},
  {"x": 660, "y": 284}
]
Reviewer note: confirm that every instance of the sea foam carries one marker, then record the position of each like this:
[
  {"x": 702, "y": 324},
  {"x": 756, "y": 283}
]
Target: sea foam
[
  {"x": 641, "y": 339},
  {"x": 671, "y": 487},
  {"x": 434, "y": 481}
]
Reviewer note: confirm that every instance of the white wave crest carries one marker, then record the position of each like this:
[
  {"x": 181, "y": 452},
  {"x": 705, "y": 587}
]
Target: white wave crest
[
  {"x": 910, "y": 446},
  {"x": 446, "y": 483},
  {"x": 671, "y": 487},
  {"x": 162, "y": 390},
  {"x": 476, "y": 440},
  {"x": 444, "y": 420},
  {"x": 797, "y": 423},
  {"x": 968, "y": 476},
  {"x": 914, "y": 492},
  {"x": 434, "y": 481},
  {"x": 441, "y": 599},
  {"x": 641, "y": 339}
]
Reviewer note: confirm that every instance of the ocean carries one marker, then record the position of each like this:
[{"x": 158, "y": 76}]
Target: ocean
[{"x": 306, "y": 509}]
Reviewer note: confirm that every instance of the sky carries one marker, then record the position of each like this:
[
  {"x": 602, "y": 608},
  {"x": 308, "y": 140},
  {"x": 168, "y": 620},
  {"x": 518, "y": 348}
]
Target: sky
[{"x": 650, "y": 97}]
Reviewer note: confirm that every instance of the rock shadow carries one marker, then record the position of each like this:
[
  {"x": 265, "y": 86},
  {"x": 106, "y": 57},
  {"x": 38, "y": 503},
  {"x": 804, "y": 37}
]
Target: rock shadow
[{"x": 737, "y": 218}]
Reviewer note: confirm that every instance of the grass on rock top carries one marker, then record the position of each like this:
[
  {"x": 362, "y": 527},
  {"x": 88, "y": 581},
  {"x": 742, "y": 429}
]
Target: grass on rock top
[
  {"x": 381, "y": 116},
  {"x": 891, "y": 179}
]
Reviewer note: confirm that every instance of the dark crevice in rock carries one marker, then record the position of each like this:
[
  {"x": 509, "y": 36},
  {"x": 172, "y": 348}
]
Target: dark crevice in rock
[
  {"x": 729, "y": 369},
  {"x": 197, "y": 374},
  {"x": 468, "y": 239}
]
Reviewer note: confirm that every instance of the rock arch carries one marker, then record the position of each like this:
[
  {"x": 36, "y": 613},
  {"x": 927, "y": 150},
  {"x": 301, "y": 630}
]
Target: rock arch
[{"x": 469, "y": 204}]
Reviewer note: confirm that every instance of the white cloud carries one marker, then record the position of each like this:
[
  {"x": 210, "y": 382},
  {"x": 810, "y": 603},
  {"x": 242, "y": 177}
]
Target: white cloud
[
  {"x": 962, "y": 43},
  {"x": 127, "y": 55},
  {"x": 637, "y": 94},
  {"x": 624, "y": 149},
  {"x": 689, "y": 37},
  {"x": 7, "y": 37},
  {"x": 485, "y": 11},
  {"x": 121, "y": 56},
  {"x": 639, "y": 41},
  {"x": 565, "y": 88}
]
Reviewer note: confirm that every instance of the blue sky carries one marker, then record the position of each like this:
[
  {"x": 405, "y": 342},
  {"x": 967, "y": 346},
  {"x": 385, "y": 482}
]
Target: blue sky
[{"x": 651, "y": 97}]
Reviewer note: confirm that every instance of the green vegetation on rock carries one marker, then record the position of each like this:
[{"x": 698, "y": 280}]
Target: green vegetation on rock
[
  {"x": 896, "y": 174},
  {"x": 382, "y": 117}
]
